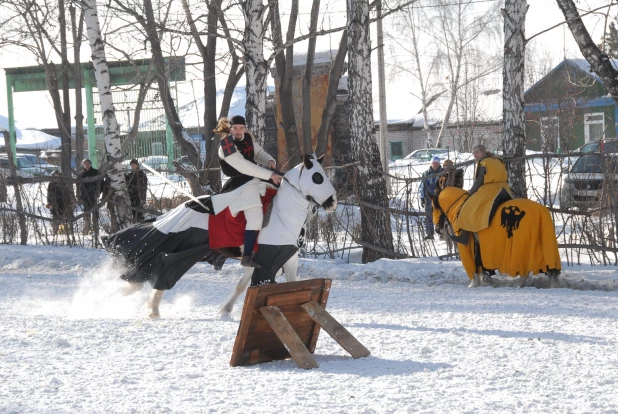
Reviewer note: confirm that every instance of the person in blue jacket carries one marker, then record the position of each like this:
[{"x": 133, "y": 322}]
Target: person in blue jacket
[{"x": 427, "y": 188}]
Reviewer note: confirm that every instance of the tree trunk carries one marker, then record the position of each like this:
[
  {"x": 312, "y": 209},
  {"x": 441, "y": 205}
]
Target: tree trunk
[
  {"x": 66, "y": 91},
  {"x": 208, "y": 54},
  {"x": 331, "y": 95},
  {"x": 514, "y": 13},
  {"x": 256, "y": 68},
  {"x": 210, "y": 92},
  {"x": 77, "y": 30},
  {"x": 284, "y": 62},
  {"x": 114, "y": 154},
  {"x": 187, "y": 145},
  {"x": 64, "y": 130},
  {"x": 307, "y": 135},
  {"x": 23, "y": 230},
  {"x": 370, "y": 185},
  {"x": 599, "y": 61}
]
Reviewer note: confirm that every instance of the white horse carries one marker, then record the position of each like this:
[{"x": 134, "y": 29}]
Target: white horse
[{"x": 304, "y": 187}]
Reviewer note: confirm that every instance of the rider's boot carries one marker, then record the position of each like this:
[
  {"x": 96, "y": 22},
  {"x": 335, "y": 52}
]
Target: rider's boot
[{"x": 247, "y": 256}]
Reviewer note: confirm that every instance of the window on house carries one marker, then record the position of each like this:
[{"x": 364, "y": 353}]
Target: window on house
[
  {"x": 156, "y": 148},
  {"x": 550, "y": 133},
  {"x": 396, "y": 150},
  {"x": 594, "y": 126}
]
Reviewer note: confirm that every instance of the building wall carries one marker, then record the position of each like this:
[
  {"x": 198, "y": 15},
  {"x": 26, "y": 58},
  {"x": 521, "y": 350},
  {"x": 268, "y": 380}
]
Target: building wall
[
  {"x": 571, "y": 125},
  {"x": 459, "y": 139}
]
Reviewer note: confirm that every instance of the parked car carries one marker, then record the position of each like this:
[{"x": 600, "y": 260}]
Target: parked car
[
  {"x": 42, "y": 165},
  {"x": 426, "y": 154},
  {"x": 591, "y": 181},
  {"x": 601, "y": 145},
  {"x": 24, "y": 168}
]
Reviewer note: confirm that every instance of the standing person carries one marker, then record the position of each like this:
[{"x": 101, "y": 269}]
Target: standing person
[
  {"x": 427, "y": 189},
  {"x": 452, "y": 178},
  {"x": 239, "y": 155},
  {"x": 88, "y": 194},
  {"x": 137, "y": 185},
  {"x": 490, "y": 188},
  {"x": 58, "y": 202}
]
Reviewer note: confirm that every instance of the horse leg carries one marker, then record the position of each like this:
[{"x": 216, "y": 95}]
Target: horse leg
[
  {"x": 240, "y": 288},
  {"x": 522, "y": 281},
  {"x": 486, "y": 279},
  {"x": 154, "y": 302},
  {"x": 476, "y": 281},
  {"x": 290, "y": 268},
  {"x": 552, "y": 274},
  {"x": 132, "y": 287}
]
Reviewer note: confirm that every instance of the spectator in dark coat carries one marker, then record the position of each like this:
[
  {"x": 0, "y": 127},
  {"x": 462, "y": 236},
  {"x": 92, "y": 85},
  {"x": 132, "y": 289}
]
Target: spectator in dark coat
[
  {"x": 427, "y": 189},
  {"x": 88, "y": 194},
  {"x": 137, "y": 185},
  {"x": 58, "y": 201}
]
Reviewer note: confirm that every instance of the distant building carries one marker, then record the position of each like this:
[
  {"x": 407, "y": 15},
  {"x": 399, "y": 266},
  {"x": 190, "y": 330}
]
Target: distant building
[{"x": 569, "y": 107}]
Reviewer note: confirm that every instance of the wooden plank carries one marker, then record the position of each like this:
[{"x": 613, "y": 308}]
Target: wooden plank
[
  {"x": 260, "y": 326},
  {"x": 245, "y": 324},
  {"x": 336, "y": 330},
  {"x": 277, "y": 288},
  {"x": 288, "y": 336},
  {"x": 256, "y": 342},
  {"x": 270, "y": 338},
  {"x": 324, "y": 291},
  {"x": 301, "y": 296}
]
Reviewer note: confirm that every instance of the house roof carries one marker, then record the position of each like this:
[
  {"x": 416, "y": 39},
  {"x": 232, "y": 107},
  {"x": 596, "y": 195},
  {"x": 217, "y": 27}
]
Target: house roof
[{"x": 580, "y": 65}]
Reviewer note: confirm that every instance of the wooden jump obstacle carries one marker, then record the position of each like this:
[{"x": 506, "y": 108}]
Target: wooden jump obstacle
[{"x": 283, "y": 320}]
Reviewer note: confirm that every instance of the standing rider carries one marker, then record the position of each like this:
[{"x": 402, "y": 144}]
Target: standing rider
[
  {"x": 239, "y": 155},
  {"x": 490, "y": 188}
]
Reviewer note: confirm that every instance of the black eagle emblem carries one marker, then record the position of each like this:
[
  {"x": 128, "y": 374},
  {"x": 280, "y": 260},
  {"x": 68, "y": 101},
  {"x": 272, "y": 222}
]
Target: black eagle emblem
[{"x": 510, "y": 218}]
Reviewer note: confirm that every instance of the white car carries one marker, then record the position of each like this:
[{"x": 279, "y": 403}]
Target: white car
[
  {"x": 42, "y": 166},
  {"x": 426, "y": 154},
  {"x": 24, "y": 168}
]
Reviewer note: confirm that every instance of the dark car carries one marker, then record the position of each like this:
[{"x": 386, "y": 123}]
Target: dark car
[
  {"x": 601, "y": 145},
  {"x": 591, "y": 180}
]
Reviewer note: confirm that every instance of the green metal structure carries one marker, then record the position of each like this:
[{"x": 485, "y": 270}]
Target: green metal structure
[{"x": 122, "y": 73}]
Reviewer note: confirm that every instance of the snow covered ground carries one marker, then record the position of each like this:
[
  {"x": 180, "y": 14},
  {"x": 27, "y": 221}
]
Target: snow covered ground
[{"x": 69, "y": 343}]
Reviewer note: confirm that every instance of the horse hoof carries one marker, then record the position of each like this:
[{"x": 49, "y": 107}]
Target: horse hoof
[
  {"x": 154, "y": 315},
  {"x": 476, "y": 282},
  {"x": 487, "y": 280}
]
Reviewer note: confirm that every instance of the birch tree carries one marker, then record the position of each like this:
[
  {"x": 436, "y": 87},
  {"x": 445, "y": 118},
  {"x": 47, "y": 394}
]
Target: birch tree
[
  {"x": 108, "y": 112},
  {"x": 256, "y": 67},
  {"x": 370, "y": 185},
  {"x": 599, "y": 61},
  {"x": 514, "y": 13}
]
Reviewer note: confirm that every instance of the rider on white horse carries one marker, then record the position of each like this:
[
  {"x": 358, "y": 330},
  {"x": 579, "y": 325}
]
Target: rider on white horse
[{"x": 239, "y": 155}]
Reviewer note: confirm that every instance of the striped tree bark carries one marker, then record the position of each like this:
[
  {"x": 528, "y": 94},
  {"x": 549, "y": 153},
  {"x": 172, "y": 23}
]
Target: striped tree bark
[
  {"x": 514, "y": 13},
  {"x": 256, "y": 67},
  {"x": 369, "y": 183},
  {"x": 108, "y": 112}
]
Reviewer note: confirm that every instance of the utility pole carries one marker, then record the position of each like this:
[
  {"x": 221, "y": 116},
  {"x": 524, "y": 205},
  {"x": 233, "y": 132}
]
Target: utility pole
[{"x": 382, "y": 91}]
